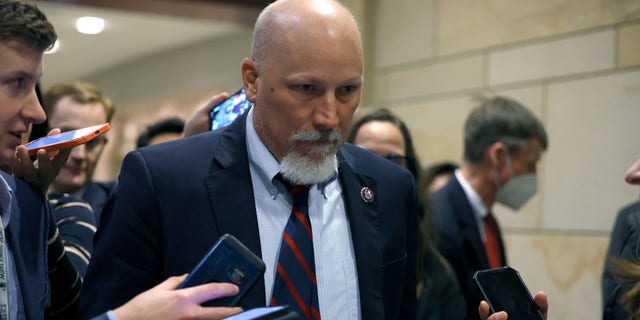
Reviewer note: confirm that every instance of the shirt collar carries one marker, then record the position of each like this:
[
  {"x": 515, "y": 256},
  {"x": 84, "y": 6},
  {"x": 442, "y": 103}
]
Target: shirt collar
[{"x": 474, "y": 199}]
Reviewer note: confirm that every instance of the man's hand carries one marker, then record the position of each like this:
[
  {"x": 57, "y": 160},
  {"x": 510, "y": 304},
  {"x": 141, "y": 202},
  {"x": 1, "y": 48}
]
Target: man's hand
[
  {"x": 164, "y": 302},
  {"x": 540, "y": 299},
  {"x": 41, "y": 172},
  {"x": 199, "y": 122}
]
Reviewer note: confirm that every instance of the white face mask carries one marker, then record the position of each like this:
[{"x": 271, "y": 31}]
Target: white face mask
[{"x": 518, "y": 190}]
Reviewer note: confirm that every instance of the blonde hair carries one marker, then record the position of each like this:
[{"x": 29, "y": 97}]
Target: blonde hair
[
  {"x": 80, "y": 92},
  {"x": 628, "y": 272}
]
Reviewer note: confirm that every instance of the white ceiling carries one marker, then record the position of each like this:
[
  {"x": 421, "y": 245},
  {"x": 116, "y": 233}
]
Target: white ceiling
[{"x": 127, "y": 36}]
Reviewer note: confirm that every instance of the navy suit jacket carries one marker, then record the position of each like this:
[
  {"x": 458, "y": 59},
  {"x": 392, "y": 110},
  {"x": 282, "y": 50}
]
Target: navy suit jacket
[
  {"x": 176, "y": 199},
  {"x": 459, "y": 240},
  {"x": 97, "y": 194},
  {"x": 27, "y": 236}
]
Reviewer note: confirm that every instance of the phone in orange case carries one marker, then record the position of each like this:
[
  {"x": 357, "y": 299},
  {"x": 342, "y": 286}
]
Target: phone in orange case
[{"x": 66, "y": 139}]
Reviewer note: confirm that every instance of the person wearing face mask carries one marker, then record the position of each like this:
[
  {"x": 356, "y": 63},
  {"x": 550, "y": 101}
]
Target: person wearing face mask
[{"x": 503, "y": 142}]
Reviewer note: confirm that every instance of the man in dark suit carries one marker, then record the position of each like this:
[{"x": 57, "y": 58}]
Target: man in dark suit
[
  {"x": 176, "y": 199},
  {"x": 503, "y": 143}
]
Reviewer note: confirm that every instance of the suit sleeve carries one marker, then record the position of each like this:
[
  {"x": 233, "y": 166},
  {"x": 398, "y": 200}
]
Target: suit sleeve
[{"x": 127, "y": 258}]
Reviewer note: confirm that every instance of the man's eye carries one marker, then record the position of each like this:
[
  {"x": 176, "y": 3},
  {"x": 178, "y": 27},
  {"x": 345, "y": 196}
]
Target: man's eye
[
  {"x": 349, "y": 89},
  {"x": 306, "y": 87},
  {"x": 19, "y": 82}
]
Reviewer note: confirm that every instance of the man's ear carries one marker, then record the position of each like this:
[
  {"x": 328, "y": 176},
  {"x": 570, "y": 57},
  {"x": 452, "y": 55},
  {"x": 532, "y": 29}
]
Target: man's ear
[
  {"x": 250, "y": 78},
  {"x": 497, "y": 154}
]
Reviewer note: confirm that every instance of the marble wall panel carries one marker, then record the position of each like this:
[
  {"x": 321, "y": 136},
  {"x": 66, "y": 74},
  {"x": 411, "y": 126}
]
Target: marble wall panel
[
  {"x": 470, "y": 25},
  {"x": 629, "y": 46},
  {"x": 436, "y": 128},
  {"x": 441, "y": 77},
  {"x": 553, "y": 58},
  {"x": 593, "y": 129},
  {"x": 567, "y": 267},
  {"x": 403, "y": 31}
]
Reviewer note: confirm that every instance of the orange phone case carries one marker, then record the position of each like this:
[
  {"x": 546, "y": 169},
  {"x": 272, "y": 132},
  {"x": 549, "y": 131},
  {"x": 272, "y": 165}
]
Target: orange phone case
[{"x": 66, "y": 139}]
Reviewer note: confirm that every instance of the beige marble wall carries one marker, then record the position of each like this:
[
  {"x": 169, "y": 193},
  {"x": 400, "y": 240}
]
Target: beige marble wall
[
  {"x": 472, "y": 25},
  {"x": 629, "y": 46},
  {"x": 576, "y": 65}
]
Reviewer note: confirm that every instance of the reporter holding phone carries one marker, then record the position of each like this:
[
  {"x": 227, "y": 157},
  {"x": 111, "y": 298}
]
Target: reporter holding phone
[
  {"x": 540, "y": 298},
  {"x": 25, "y": 33}
]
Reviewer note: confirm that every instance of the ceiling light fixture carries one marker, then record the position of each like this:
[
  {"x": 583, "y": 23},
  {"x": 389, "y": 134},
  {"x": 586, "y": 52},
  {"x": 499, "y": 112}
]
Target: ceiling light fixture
[
  {"x": 54, "y": 48},
  {"x": 90, "y": 25}
]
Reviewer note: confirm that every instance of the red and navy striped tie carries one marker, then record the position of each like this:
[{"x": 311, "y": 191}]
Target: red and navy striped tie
[{"x": 295, "y": 283}]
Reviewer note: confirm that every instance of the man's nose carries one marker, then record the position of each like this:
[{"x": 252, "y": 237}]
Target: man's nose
[
  {"x": 78, "y": 152},
  {"x": 32, "y": 111},
  {"x": 325, "y": 115}
]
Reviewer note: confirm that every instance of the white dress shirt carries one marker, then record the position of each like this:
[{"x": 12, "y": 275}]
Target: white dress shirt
[
  {"x": 338, "y": 294},
  {"x": 476, "y": 203}
]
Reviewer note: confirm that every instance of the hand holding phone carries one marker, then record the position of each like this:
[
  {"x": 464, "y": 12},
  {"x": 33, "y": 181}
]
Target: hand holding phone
[
  {"x": 227, "y": 261},
  {"x": 504, "y": 290},
  {"x": 228, "y": 110},
  {"x": 66, "y": 139}
]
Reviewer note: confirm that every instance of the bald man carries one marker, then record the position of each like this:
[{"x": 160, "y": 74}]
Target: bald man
[{"x": 176, "y": 199}]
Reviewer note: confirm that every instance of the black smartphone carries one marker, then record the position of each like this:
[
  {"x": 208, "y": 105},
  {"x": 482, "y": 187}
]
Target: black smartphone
[
  {"x": 227, "y": 261},
  {"x": 228, "y": 110},
  {"x": 504, "y": 290}
]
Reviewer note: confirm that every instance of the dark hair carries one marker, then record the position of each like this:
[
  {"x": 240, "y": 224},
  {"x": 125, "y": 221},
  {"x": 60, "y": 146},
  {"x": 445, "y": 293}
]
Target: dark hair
[
  {"x": 169, "y": 125},
  {"x": 413, "y": 165},
  {"x": 500, "y": 119},
  {"x": 23, "y": 21},
  {"x": 430, "y": 173}
]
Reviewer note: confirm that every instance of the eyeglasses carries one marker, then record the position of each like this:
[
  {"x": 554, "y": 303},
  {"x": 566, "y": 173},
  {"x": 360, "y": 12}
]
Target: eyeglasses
[
  {"x": 397, "y": 159},
  {"x": 95, "y": 143}
]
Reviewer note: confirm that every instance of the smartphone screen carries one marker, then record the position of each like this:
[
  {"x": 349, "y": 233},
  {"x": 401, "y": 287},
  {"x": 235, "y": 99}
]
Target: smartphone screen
[
  {"x": 66, "y": 139},
  {"x": 227, "y": 111},
  {"x": 227, "y": 261},
  {"x": 261, "y": 313},
  {"x": 504, "y": 290}
]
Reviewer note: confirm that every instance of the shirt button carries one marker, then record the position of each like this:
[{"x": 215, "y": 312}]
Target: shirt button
[{"x": 273, "y": 191}]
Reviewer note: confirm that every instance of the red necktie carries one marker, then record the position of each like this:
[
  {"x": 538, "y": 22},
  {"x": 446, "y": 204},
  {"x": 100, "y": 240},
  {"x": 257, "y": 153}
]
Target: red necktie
[
  {"x": 491, "y": 243},
  {"x": 295, "y": 283}
]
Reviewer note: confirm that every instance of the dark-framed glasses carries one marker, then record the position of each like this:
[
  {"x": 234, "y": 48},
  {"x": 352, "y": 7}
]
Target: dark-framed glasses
[{"x": 397, "y": 159}]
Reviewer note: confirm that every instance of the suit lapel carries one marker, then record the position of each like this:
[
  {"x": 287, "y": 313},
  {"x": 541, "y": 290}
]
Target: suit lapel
[
  {"x": 468, "y": 224},
  {"x": 365, "y": 227},
  {"x": 231, "y": 197}
]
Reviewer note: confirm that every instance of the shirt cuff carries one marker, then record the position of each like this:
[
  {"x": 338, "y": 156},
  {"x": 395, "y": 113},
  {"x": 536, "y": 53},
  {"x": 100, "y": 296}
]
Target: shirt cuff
[{"x": 111, "y": 315}]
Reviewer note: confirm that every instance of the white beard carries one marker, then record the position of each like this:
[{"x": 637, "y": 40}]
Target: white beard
[{"x": 317, "y": 165}]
